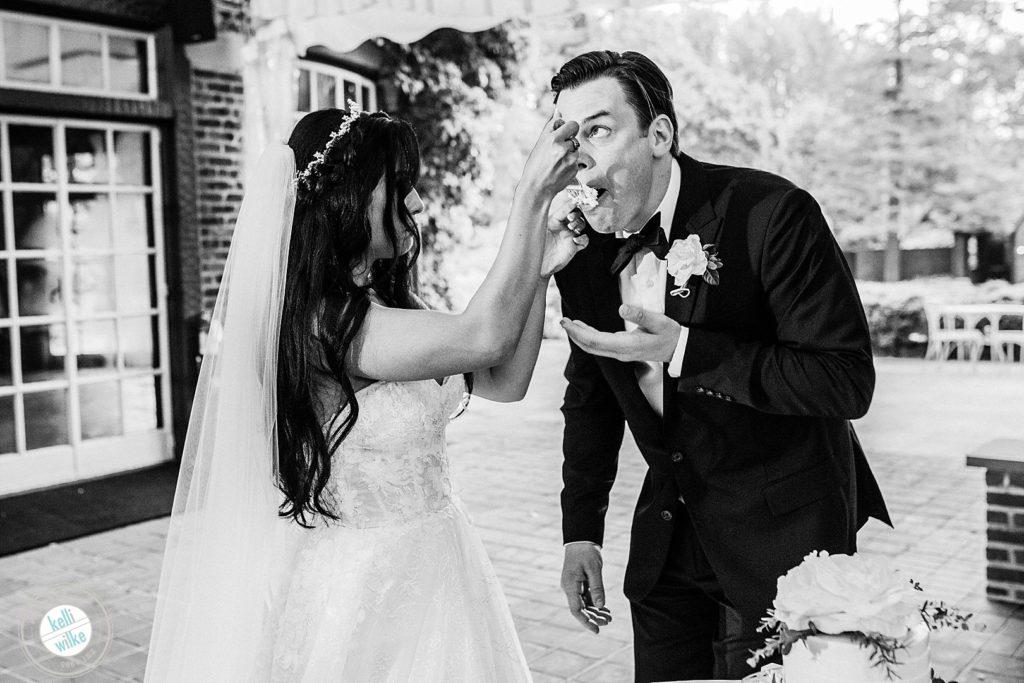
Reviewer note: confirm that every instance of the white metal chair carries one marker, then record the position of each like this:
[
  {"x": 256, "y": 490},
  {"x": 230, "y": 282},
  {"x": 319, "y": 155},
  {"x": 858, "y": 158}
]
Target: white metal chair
[
  {"x": 951, "y": 333},
  {"x": 1004, "y": 341}
]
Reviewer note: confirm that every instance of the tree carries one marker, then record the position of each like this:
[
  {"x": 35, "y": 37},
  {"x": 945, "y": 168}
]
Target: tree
[{"x": 952, "y": 145}]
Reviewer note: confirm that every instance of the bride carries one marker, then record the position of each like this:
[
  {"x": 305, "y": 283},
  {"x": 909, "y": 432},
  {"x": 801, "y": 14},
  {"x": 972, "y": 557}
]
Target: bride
[{"x": 315, "y": 535}]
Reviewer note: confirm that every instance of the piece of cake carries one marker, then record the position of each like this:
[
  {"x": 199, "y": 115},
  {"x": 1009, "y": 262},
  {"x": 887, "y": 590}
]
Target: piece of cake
[
  {"x": 583, "y": 196},
  {"x": 844, "y": 659}
]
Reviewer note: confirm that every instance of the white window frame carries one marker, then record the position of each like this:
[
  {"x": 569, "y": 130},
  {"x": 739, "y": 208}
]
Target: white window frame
[
  {"x": 340, "y": 75},
  {"x": 105, "y": 33},
  {"x": 82, "y": 459}
]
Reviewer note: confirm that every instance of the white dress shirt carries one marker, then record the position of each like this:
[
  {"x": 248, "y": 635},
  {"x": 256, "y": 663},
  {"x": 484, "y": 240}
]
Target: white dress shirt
[{"x": 642, "y": 284}]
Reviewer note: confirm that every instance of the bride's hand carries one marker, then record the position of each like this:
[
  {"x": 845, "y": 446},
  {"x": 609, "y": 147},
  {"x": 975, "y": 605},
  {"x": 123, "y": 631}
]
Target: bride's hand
[
  {"x": 552, "y": 162},
  {"x": 564, "y": 237}
]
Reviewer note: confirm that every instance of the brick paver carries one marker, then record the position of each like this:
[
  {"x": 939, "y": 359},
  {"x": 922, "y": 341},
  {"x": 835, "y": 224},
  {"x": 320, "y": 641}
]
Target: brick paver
[{"x": 507, "y": 469}]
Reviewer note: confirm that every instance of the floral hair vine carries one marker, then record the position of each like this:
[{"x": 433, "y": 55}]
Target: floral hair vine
[{"x": 304, "y": 176}]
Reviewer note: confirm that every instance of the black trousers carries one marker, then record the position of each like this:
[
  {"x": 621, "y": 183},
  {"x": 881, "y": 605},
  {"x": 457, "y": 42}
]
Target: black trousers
[{"x": 685, "y": 628}]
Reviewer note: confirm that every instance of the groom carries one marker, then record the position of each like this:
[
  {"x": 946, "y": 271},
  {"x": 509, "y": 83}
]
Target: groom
[{"x": 738, "y": 386}]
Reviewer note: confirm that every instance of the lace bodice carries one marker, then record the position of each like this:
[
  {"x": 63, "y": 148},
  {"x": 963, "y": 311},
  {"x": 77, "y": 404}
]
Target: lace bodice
[{"x": 393, "y": 466}]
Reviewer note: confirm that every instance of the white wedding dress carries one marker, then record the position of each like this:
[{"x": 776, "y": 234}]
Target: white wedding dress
[{"x": 401, "y": 589}]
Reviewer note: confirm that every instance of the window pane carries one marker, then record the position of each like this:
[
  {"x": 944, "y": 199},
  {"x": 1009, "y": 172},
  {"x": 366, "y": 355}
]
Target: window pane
[
  {"x": 366, "y": 98},
  {"x": 100, "y": 408},
  {"x": 128, "y": 64},
  {"x": 90, "y": 221},
  {"x": 5, "y": 356},
  {"x": 39, "y": 287},
  {"x": 7, "y": 442},
  {"x": 139, "y": 343},
  {"x": 81, "y": 59},
  {"x": 351, "y": 94},
  {"x": 97, "y": 347},
  {"x": 137, "y": 291},
  {"x": 303, "y": 91},
  {"x": 87, "y": 156},
  {"x": 324, "y": 91},
  {"x": 32, "y": 154},
  {"x": 134, "y": 226},
  {"x": 43, "y": 348},
  {"x": 131, "y": 152},
  {"x": 27, "y": 51},
  {"x": 46, "y": 418},
  {"x": 3, "y": 226},
  {"x": 5, "y": 307},
  {"x": 92, "y": 285},
  {"x": 36, "y": 224},
  {"x": 142, "y": 404}
]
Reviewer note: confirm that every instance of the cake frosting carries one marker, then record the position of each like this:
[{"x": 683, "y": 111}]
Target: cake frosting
[
  {"x": 843, "y": 659},
  {"x": 583, "y": 196}
]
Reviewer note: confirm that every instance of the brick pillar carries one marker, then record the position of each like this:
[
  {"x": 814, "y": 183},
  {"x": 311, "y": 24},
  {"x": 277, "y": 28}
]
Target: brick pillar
[
  {"x": 217, "y": 100},
  {"x": 1005, "y": 548}
]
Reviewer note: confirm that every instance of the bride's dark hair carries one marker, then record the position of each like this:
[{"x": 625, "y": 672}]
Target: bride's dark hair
[{"x": 324, "y": 306}]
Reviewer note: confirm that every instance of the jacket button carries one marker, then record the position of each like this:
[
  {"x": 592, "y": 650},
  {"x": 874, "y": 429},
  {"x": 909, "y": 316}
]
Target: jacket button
[
  {"x": 677, "y": 457},
  {"x": 666, "y": 515},
  {"x": 700, "y": 390}
]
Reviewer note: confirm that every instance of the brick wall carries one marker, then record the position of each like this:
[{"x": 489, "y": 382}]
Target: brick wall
[
  {"x": 1005, "y": 548},
  {"x": 217, "y": 101}
]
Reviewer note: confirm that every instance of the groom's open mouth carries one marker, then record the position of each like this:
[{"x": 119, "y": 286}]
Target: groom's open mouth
[{"x": 601, "y": 192}]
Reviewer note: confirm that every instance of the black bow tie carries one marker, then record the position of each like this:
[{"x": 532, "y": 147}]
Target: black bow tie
[{"x": 651, "y": 236}]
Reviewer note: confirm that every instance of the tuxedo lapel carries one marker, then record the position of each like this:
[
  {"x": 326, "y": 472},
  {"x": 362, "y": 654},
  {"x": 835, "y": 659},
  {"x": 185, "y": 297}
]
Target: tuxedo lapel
[{"x": 694, "y": 215}]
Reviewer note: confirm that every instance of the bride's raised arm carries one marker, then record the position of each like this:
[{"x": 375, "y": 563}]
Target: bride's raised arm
[{"x": 401, "y": 344}]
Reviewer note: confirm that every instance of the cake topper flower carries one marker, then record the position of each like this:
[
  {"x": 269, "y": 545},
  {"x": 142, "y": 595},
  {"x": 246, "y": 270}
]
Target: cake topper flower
[{"x": 865, "y": 598}]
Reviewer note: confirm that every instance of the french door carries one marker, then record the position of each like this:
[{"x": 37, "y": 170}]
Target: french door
[{"x": 84, "y": 381}]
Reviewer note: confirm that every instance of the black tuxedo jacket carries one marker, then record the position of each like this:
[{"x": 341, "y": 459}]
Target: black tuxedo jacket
[{"x": 756, "y": 433}]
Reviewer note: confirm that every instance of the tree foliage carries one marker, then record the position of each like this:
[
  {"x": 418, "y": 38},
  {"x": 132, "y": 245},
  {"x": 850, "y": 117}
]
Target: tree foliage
[
  {"x": 795, "y": 93},
  {"x": 450, "y": 86}
]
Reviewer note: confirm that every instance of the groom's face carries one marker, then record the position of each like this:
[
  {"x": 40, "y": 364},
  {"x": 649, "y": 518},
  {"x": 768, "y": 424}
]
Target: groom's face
[{"x": 616, "y": 157}]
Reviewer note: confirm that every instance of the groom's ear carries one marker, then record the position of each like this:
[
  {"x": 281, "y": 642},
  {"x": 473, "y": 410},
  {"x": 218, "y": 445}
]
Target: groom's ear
[{"x": 661, "y": 134}]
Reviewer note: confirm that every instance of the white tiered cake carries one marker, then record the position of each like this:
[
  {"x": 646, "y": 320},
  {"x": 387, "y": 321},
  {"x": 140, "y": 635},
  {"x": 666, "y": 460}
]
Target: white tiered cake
[{"x": 842, "y": 659}]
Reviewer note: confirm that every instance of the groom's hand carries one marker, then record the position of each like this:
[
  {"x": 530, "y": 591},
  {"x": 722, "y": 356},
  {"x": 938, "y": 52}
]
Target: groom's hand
[
  {"x": 583, "y": 585},
  {"x": 655, "y": 338}
]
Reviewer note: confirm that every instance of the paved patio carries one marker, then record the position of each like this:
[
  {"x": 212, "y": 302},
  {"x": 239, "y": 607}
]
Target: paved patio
[{"x": 923, "y": 420}]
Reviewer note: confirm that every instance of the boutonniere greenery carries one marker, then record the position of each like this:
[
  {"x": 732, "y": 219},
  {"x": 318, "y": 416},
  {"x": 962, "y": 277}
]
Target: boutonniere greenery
[{"x": 688, "y": 257}]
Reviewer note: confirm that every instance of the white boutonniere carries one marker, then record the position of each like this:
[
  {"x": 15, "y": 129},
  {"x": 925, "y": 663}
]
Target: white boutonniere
[{"x": 687, "y": 258}]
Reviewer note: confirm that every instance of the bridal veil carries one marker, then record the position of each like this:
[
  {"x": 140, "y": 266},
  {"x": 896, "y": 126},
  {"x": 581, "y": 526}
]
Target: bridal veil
[{"x": 227, "y": 549}]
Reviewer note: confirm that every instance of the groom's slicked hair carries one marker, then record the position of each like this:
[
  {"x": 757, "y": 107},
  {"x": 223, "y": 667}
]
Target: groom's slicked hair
[{"x": 647, "y": 89}]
